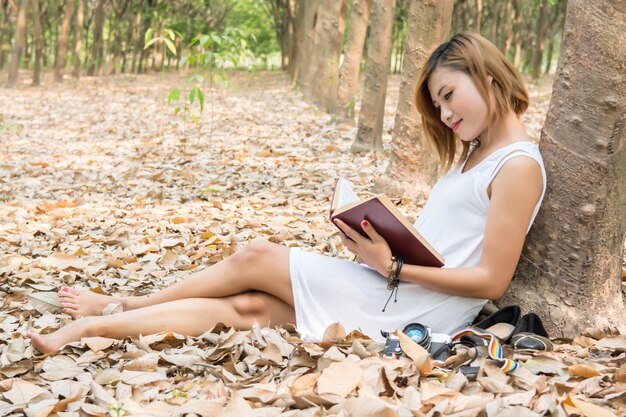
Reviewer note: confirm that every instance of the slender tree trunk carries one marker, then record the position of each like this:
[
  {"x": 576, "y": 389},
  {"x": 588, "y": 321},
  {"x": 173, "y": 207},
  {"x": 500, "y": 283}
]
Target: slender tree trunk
[
  {"x": 18, "y": 43},
  {"x": 479, "y": 16},
  {"x": 62, "y": 41},
  {"x": 540, "y": 40},
  {"x": 291, "y": 44},
  {"x": 371, "y": 117},
  {"x": 554, "y": 26},
  {"x": 310, "y": 23},
  {"x": 78, "y": 37},
  {"x": 331, "y": 26},
  {"x": 412, "y": 168},
  {"x": 137, "y": 41},
  {"x": 97, "y": 47},
  {"x": 349, "y": 73},
  {"x": 295, "y": 66},
  {"x": 5, "y": 34},
  {"x": 570, "y": 269},
  {"x": 129, "y": 42},
  {"x": 495, "y": 16},
  {"x": 517, "y": 37},
  {"x": 38, "y": 43}
]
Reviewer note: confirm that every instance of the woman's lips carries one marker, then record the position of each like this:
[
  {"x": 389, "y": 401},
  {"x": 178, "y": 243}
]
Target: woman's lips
[{"x": 456, "y": 125}]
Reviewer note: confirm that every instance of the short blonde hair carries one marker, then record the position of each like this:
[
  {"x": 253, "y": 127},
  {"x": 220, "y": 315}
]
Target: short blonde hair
[{"x": 480, "y": 59}]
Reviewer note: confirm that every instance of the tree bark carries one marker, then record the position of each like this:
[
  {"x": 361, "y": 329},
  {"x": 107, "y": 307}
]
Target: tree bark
[
  {"x": 570, "y": 269},
  {"x": 18, "y": 44},
  {"x": 329, "y": 39},
  {"x": 78, "y": 37},
  {"x": 5, "y": 33},
  {"x": 479, "y": 16},
  {"x": 120, "y": 11},
  {"x": 517, "y": 37},
  {"x": 38, "y": 43},
  {"x": 540, "y": 38},
  {"x": 62, "y": 40},
  {"x": 294, "y": 68},
  {"x": 137, "y": 42},
  {"x": 97, "y": 47},
  {"x": 307, "y": 70},
  {"x": 412, "y": 167},
  {"x": 371, "y": 116},
  {"x": 349, "y": 72},
  {"x": 495, "y": 21}
]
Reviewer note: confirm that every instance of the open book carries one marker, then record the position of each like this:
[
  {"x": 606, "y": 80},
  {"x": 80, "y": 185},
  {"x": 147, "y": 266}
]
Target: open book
[{"x": 404, "y": 241}]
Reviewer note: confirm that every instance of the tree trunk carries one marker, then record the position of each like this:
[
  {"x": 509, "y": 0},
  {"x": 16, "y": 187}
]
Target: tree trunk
[
  {"x": 38, "y": 43},
  {"x": 495, "y": 15},
  {"x": 292, "y": 44},
  {"x": 329, "y": 38},
  {"x": 62, "y": 40},
  {"x": 540, "y": 39},
  {"x": 137, "y": 41},
  {"x": 570, "y": 270},
  {"x": 5, "y": 33},
  {"x": 554, "y": 26},
  {"x": 349, "y": 73},
  {"x": 78, "y": 37},
  {"x": 371, "y": 117},
  {"x": 307, "y": 70},
  {"x": 298, "y": 50},
  {"x": 97, "y": 47},
  {"x": 517, "y": 33},
  {"x": 18, "y": 44},
  {"x": 479, "y": 16},
  {"x": 412, "y": 167},
  {"x": 129, "y": 39}
]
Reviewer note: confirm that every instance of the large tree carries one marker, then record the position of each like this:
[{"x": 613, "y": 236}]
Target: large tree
[
  {"x": 412, "y": 168},
  {"x": 328, "y": 40},
  {"x": 349, "y": 72},
  {"x": 570, "y": 268},
  {"x": 369, "y": 133}
]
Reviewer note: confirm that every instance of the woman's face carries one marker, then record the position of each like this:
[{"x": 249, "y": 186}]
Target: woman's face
[{"x": 461, "y": 106}]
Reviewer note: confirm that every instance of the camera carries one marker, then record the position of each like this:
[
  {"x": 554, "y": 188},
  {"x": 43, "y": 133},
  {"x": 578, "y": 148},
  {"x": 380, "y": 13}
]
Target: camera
[{"x": 437, "y": 344}]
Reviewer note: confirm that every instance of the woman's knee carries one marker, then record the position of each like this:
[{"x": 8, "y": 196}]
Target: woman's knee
[{"x": 254, "y": 251}]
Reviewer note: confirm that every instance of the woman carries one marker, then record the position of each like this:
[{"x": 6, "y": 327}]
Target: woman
[{"x": 477, "y": 217}]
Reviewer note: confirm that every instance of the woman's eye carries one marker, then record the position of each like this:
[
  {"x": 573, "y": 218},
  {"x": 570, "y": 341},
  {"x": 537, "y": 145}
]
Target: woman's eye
[{"x": 447, "y": 96}]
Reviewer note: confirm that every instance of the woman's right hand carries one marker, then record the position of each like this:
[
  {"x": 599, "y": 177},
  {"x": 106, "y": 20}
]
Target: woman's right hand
[{"x": 348, "y": 243}]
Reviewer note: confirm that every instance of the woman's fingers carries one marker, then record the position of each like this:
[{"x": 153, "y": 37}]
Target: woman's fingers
[
  {"x": 370, "y": 231},
  {"x": 348, "y": 231}
]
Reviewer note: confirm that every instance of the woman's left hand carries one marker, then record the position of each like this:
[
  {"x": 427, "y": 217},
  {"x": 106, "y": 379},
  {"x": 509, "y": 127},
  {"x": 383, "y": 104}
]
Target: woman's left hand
[{"x": 374, "y": 251}]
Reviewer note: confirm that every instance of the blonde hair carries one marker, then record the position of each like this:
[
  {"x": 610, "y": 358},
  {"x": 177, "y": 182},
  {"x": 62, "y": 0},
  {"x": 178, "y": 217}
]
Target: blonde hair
[{"x": 480, "y": 59}]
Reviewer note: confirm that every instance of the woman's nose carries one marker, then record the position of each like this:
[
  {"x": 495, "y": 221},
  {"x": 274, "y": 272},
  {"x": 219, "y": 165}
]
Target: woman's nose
[{"x": 445, "y": 114}]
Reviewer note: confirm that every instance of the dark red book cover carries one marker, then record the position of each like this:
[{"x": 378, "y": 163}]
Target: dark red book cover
[{"x": 404, "y": 241}]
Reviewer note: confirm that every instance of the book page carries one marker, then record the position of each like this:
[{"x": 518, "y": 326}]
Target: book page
[{"x": 344, "y": 193}]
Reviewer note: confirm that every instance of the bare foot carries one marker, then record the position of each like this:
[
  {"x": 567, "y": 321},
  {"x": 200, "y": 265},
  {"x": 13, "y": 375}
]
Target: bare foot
[
  {"x": 53, "y": 342},
  {"x": 81, "y": 303}
]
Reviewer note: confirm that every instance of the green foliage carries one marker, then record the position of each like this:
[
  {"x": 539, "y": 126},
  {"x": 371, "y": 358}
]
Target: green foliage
[{"x": 254, "y": 24}]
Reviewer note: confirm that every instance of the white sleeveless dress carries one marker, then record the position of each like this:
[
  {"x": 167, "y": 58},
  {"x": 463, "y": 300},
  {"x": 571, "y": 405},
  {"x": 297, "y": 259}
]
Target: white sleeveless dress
[{"x": 328, "y": 290}]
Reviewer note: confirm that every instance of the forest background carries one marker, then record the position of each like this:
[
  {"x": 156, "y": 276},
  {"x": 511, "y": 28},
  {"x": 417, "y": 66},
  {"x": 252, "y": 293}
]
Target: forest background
[{"x": 169, "y": 133}]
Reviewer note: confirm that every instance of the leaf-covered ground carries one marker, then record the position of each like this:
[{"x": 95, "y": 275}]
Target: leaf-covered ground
[{"x": 103, "y": 187}]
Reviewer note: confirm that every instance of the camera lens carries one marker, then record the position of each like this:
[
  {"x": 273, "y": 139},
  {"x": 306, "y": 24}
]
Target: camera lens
[
  {"x": 419, "y": 333},
  {"x": 416, "y": 334}
]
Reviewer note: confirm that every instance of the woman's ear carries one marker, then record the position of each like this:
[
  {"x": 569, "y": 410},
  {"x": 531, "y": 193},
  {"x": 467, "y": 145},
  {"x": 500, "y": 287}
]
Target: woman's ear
[{"x": 490, "y": 79}]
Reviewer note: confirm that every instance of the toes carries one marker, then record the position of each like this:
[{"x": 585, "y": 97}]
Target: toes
[
  {"x": 72, "y": 312},
  {"x": 75, "y": 291},
  {"x": 70, "y": 304}
]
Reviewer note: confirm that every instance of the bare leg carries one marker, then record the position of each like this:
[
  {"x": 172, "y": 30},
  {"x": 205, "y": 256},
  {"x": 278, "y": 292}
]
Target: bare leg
[
  {"x": 189, "y": 317},
  {"x": 261, "y": 266}
]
